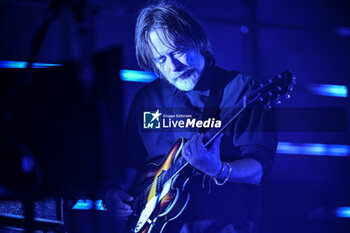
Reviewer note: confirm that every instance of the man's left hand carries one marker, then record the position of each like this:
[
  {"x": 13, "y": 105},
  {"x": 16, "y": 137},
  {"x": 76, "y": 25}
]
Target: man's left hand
[{"x": 207, "y": 161}]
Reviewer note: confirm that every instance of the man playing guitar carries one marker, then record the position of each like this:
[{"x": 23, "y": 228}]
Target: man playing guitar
[{"x": 225, "y": 197}]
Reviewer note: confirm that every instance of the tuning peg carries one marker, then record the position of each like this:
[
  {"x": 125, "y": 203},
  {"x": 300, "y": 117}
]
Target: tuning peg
[
  {"x": 291, "y": 88},
  {"x": 294, "y": 78},
  {"x": 279, "y": 88},
  {"x": 270, "y": 80},
  {"x": 277, "y": 101},
  {"x": 261, "y": 85},
  {"x": 268, "y": 106},
  {"x": 269, "y": 93},
  {"x": 287, "y": 96},
  {"x": 279, "y": 76},
  {"x": 261, "y": 99}
]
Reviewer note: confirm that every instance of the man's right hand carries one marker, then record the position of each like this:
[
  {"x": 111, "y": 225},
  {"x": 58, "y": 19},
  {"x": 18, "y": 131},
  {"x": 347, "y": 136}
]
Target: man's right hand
[{"x": 115, "y": 201}]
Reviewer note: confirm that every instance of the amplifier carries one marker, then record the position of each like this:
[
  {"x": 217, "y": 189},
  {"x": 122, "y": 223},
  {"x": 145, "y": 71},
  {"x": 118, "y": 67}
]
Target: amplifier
[{"x": 48, "y": 216}]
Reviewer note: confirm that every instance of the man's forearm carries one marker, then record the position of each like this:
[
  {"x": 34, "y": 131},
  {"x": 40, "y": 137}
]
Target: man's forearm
[{"x": 242, "y": 171}]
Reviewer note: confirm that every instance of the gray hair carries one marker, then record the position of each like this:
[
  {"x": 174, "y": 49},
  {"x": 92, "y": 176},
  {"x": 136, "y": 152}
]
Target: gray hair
[{"x": 178, "y": 26}]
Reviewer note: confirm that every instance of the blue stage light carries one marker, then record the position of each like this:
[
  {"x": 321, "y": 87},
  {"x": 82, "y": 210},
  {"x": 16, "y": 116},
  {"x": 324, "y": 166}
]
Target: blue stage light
[
  {"x": 342, "y": 31},
  {"x": 137, "y": 76},
  {"x": 86, "y": 204},
  {"x": 83, "y": 204},
  {"x": 244, "y": 29},
  {"x": 343, "y": 212},
  {"x": 329, "y": 90},
  {"x": 99, "y": 205},
  {"x": 313, "y": 149},
  {"x": 28, "y": 163},
  {"x": 23, "y": 64}
]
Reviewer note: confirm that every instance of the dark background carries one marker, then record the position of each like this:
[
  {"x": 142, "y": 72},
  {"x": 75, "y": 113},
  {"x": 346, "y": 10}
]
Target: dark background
[{"x": 94, "y": 39}]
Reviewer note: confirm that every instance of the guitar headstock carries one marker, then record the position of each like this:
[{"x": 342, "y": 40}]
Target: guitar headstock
[{"x": 272, "y": 91}]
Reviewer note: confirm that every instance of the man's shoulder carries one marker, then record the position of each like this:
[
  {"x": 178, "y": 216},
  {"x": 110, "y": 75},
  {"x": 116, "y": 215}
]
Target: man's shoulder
[
  {"x": 149, "y": 88},
  {"x": 234, "y": 78},
  {"x": 237, "y": 84},
  {"x": 153, "y": 91}
]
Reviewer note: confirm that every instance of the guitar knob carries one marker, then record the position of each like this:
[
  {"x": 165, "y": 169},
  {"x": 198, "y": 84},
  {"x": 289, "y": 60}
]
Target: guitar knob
[
  {"x": 279, "y": 76},
  {"x": 277, "y": 101},
  {"x": 270, "y": 80}
]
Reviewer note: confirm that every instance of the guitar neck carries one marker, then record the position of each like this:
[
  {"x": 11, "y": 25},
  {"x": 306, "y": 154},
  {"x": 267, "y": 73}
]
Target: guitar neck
[
  {"x": 212, "y": 134},
  {"x": 181, "y": 163}
]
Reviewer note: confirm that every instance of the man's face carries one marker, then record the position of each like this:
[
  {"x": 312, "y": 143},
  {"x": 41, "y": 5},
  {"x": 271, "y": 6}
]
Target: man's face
[{"x": 182, "y": 68}]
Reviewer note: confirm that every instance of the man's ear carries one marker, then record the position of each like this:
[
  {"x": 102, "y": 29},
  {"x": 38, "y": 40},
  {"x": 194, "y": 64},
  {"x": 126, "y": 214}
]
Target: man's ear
[{"x": 158, "y": 73}]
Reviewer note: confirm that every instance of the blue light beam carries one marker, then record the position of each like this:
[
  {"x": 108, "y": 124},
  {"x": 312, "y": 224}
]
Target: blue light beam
[
  {"x": 86, "y": 204},
  {"x": 342, "y": 31},
  {"x": 343, "y": 212},
  {"x": 329, "y": 90},
  {"x": 83, "y": 204},
  {"x": 313, "y": 149},
  {"x": 99, "y": 205},
  {"x": 137, "y": 76},
  {"x": 23, "y": 65}
]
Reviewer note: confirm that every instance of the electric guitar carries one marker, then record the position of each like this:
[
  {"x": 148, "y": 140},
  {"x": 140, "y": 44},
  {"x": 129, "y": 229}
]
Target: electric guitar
[{"x": 165, "y": 197}]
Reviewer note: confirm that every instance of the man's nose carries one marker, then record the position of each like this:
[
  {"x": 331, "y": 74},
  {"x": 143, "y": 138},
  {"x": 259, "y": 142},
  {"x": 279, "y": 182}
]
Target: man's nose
[{"x": 175, "y": 65}]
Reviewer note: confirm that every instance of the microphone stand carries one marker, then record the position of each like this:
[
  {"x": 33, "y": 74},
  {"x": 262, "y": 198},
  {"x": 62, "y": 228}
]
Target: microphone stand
[{"x": 51, "y": 14}]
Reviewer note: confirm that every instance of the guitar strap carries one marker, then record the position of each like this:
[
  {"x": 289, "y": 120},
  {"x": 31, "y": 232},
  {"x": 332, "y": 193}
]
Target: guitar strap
[{"x": 219, "y": 80}]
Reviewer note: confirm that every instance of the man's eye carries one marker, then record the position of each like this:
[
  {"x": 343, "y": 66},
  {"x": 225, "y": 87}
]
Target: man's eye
[{"x": 161, "y": 60}]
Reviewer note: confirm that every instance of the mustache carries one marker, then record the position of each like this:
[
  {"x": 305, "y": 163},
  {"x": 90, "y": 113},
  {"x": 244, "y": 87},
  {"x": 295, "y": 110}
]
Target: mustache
[{"x": 185, "y": 74}]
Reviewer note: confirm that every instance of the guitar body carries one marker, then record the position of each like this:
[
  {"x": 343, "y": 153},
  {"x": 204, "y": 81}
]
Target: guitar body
[
  {"x": 176, "y": 202},
  {"x": 166, "y": 202}
]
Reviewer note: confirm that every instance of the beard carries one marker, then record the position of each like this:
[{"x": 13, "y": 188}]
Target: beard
[{"x": 186, "y": 83}]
